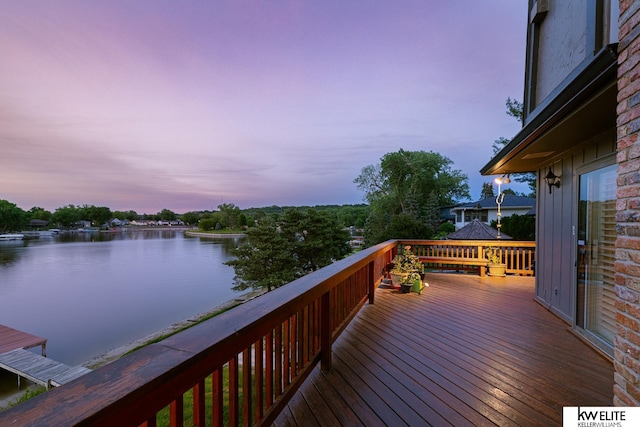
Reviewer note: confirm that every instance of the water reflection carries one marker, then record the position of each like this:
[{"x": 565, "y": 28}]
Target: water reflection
[
  {"x": 7, "y": 257},
  {"x": 89, "y": 292},
  {"x": 107, "y": 236}
]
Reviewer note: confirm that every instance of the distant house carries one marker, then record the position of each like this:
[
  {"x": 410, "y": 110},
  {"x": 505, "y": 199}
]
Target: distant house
[
  {"x": 143, "y": 222},
  {"x": 446, "y": 215},
  {"x": 486, "y": 210},
  {"x": 37, "y": 223}
]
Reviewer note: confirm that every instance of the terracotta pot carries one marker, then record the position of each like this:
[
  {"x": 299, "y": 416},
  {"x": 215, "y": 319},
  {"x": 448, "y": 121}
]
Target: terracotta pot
[{"x": 497, "y": 270}]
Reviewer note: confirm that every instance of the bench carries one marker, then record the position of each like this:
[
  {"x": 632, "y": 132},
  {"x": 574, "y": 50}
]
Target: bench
[{"x": 453, "y": 261}]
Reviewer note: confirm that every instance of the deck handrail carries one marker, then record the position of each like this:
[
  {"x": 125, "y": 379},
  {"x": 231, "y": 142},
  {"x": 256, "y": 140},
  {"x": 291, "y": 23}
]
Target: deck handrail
[
  {"x": 262, "y": 349},
  {"x": 518, "y": 256},
  {"x": 255, "y": 355}
]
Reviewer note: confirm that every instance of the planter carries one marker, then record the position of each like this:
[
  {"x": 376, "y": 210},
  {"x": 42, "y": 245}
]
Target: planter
[
  {"x": 405, "y": 288},
  {"x": 398, "y": 278},
  {"x": 497, "y": 270}
]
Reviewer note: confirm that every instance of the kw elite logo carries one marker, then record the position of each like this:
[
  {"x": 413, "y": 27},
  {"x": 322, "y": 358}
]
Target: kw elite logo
[
  {"x": 585, "y": 414},
  {"x": 581, "y": 416}
]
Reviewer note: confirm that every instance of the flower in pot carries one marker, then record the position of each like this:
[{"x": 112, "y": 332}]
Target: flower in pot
[
  {"x": 404, "y": 264},
  {"x": 494, "y": 257}
]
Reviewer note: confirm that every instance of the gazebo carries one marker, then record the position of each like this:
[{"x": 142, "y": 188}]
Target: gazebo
[{"x": 477, "y": 230}]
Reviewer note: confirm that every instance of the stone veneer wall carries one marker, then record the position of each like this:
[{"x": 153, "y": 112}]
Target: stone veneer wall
[{"x": 627, "y": 340}]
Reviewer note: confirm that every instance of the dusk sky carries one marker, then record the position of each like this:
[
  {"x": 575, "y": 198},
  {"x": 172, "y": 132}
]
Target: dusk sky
[{"x": 185, "y": 105}]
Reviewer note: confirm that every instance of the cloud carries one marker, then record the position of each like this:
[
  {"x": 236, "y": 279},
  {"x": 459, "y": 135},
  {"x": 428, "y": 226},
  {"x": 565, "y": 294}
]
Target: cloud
[{"x": 177, "y": 106}]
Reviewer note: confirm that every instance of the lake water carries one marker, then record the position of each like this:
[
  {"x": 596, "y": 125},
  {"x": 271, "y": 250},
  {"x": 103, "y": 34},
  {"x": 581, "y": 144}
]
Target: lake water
[{"x": 91, "y": 292}]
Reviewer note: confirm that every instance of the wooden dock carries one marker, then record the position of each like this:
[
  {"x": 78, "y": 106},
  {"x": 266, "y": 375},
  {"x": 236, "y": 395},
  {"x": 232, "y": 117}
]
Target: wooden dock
[
  {"x": 11, "y": 339},
  {"x": 39, "y": 369},
  {"x": 14, "y": 357}
]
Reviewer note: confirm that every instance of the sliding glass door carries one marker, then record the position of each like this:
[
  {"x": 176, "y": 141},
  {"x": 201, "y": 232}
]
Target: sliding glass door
[{"x": 596, "y": 256}]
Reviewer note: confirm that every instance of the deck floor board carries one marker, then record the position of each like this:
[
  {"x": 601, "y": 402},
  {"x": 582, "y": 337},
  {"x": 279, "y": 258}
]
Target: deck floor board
[{"x": 468, "y": 351}]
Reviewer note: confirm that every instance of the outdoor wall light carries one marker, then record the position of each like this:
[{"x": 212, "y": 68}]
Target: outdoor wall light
[
  {"x": 504, "y": 179},
  {"x": 552, "y": 180}
]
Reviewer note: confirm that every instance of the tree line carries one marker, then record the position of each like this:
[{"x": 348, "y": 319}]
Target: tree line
[{"x": 228, "y": 216}]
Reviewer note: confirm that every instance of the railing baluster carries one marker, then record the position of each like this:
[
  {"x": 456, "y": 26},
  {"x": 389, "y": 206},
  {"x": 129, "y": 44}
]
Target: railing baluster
[
  {"x": 259, "y": 384},
  {"x": 293, "y": 348},
  {"x": 199, "y": 410},
  {"x": 325, "y": 332},
  {"x": 304, "y": 339},
  {"x": 279, "y": 362},
  {"x": 269, "y": 367},
  {"x": 176, "y": 412},
  {"x": 247, "y": 369},
  {"x": 286, "y": 352},
  {"x": 217, "y": 397},
  {"x": 234, "y": 415}
]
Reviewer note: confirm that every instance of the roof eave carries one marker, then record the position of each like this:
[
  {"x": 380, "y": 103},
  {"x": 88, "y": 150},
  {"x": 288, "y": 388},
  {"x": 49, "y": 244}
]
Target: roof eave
[{"x": 593, "y": 85}]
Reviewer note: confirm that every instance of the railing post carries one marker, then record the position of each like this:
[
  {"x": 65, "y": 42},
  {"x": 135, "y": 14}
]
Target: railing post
[
  {"x": 325, "y": 332},
  {"x": 371, "y": 280}
]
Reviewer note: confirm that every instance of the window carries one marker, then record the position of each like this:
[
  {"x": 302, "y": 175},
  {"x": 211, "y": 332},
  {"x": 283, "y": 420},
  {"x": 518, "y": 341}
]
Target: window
[
  {"x": 596, "y": 256},
  {"x": 470, "y": 215}
]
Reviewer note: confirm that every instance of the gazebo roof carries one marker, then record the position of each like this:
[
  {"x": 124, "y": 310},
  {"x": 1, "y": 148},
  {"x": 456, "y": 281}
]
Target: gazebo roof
[{"x": 477, "y": 230}]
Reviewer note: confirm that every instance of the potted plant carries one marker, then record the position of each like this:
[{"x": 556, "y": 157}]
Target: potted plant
[
  {"x": 494, "y": 257},
  {"x": 404, "y": 264}
]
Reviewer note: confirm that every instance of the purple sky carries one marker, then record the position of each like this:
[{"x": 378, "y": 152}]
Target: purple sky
[{"x": 184, "y": 105}]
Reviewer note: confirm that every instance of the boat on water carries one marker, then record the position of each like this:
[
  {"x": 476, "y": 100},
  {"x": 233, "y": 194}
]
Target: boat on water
[
  {"x": 35, "y": 234},
  {"x": 12, "y": 236}
]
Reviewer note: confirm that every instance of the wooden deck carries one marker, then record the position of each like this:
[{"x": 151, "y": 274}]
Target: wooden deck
[
  {"x": 11, "y": 339},
  {"x": 468, "y": 351}
]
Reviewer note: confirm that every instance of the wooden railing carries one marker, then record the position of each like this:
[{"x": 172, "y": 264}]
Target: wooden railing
[
  {"x": 519, "y": 256},
  {"x": 238, "y": 368}
]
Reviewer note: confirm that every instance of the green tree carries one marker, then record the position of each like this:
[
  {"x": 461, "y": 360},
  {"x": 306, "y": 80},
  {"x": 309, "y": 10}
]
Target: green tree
[
  {"x": 128, "y": 215},
  {"x": 487, "y": 190},
  {"x": 190, "y": 218},
  {"x": 229, "y": 215},
  {"x": 167, "y": 215},
  {"x": 12, "y": 218},
  {"x": 446, "y": 228},
  {"x": 39, "y": 213},
  {"x": 404, "y": 190},
  {"x": 67, "y": 216},
  {"x": 242, "y": 220},
  {"x": 278, "y": 251},
  {"x": 520, "y": 227},
  {"x": 515, "y": 109},
  {"x": 98, "y": 215},
  {"x": 207, "y": 224}
]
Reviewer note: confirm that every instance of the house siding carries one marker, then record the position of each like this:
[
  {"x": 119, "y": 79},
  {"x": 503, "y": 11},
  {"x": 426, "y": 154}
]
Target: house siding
[
  {"x": 562, "y": 43},
  {"x": 627, "y": 340},
  {"x": 557, "y": 219}
]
